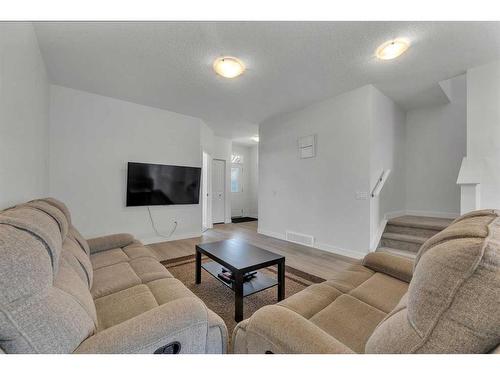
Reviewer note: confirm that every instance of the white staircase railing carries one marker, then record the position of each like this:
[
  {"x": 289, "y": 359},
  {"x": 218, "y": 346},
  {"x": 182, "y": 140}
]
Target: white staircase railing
[{"x": 380, "y": 183}]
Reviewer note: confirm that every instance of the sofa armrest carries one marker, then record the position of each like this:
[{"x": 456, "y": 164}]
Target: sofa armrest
[
  {"x": 217, "y": 334},
  {"x": 279, "y": 330},
  {"x": 184, "y": 320},
  {"x": 109, "y": 242},
  {"x": 399, "y": 267}
]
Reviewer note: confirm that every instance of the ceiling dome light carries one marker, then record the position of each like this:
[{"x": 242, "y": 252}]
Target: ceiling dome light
[
  {"x": 392, "y": 49},
  {"x": 228, "y": 67}
]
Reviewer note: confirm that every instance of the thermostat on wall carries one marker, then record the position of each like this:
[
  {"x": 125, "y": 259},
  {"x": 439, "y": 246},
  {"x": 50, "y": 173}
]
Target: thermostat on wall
[{"x": 307, "y": 146}]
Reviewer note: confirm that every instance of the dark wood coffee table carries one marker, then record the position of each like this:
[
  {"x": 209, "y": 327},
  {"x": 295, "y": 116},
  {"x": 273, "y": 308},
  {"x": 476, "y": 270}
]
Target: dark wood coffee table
[{"x": 240, "y": 257}]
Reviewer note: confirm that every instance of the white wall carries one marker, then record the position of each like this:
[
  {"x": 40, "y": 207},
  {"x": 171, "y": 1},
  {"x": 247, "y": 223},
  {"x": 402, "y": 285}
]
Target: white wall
[
  {"x": 435, "y": 146},
  {"x": 360, "y": 134},
  {"x": 24, "y": 116},
  {"x": 317, "y": 196},
  {"x": 92, "y": 138},
  {"x": 387, "y": 152},
  {"x": 207, "y": 138},
  {"x": 483, "y": 129},
  {"x": 253, "y": 210}
]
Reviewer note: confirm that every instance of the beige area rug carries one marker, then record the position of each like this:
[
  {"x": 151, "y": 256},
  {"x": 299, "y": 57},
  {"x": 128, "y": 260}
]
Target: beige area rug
[{"x": 220, "y": 299}]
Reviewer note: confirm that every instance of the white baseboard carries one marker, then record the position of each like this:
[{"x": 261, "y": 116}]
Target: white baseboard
[
  {"x": 280, "y": 236},
  {"x": 320, "y": 246},
  {"x": 175, "y": 237},
  {"x": 393, "y": 214},
  {"x": 444, "y": 215},
  {"x": 340, "y": 251}
]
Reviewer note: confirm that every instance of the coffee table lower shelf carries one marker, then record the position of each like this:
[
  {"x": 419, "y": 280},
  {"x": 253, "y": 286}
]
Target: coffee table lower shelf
[{"x": 257, "y": 284}]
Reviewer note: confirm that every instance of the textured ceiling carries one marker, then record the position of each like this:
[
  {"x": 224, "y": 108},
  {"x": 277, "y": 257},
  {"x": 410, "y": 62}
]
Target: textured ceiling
[{"x": 290, "y": 64}]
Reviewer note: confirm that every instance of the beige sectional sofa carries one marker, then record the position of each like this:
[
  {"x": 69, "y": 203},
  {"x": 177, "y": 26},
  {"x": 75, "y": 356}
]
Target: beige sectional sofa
[
  {"x": 60, "y": 293},
  {"x": 448, "y": 301},
  {"x": 63, "y": 294}
]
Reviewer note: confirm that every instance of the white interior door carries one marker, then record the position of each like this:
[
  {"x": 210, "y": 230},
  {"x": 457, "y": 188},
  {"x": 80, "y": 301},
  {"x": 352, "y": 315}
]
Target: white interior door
[
  {"x": 218, "y": 190},
  {"x": 206, "y": 199}
]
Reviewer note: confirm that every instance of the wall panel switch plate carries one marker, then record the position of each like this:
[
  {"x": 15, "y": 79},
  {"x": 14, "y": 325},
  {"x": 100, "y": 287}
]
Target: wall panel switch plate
[{"x": 361, "y": 195}]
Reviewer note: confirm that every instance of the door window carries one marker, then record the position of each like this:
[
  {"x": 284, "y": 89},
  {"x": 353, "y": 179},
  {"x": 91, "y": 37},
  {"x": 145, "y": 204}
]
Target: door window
[{"x": 236, "y": 180}]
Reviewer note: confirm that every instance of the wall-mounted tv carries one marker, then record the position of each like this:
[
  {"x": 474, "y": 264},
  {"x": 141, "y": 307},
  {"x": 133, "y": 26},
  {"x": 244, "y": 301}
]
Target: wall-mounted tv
[{"x": 156, "y": 184}]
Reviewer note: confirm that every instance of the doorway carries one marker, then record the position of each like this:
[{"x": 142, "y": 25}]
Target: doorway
[
  {"x": 206, "y": 178},
  {"x": 218, "y": 191}
]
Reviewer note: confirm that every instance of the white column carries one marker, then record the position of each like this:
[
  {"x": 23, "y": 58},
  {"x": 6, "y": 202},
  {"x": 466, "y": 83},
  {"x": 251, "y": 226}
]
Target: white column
[
  {"x": 469, "y": 198},
  {"x": 469, "y": 180}
]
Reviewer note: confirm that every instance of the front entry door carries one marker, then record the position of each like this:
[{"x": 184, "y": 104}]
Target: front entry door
[{"x": 218, "y": 191}]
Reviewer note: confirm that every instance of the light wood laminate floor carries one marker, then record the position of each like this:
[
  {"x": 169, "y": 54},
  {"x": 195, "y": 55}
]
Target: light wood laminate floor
[{"x": 307, "y": 259}]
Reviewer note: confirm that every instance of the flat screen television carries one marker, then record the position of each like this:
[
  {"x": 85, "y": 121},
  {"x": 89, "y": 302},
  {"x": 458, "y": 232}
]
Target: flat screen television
[{"x": 156, "y": 184}]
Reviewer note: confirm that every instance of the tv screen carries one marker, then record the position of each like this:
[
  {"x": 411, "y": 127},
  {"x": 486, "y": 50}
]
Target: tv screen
[{"x": 156, "y": 184}]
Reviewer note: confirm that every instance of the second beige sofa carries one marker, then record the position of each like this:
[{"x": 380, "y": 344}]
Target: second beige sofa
[
  {"x": 64, "y": 294},
  {"x": 447, "y": 302}
]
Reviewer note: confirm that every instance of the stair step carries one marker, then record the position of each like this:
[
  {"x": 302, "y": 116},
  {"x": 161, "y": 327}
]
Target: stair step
[
  {"x": 404, "y": 237},
  {"x": 402, "y": 253},
  {"x": 401, "y": 241},
  {"x": 423, "y": 222},
  {"x": 413, "y": 231}
]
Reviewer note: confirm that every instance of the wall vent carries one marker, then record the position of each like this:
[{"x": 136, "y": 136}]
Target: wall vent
[{"x": 300, "y": 238}]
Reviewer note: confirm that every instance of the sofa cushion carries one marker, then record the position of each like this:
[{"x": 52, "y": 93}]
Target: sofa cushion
[
  {"x": 311, "y": 300},
  {"x": 149, "y": 269},
  {"x": 79, "y": 260},
  {"x": 70, "y": 282},
  {"x": 54, "y": 323},
  {"x": 349, "y": 320},
  {"x": 113, "y": 278},
  {"x": 117, "y": 255},
  {"x": 23, "y": 273},
  {"x": 381, "y": 291},
  {"x": 54, "y": 213},
  {"x": 184, "y": 320},
  {"x": 117, "y": 307},
  {"x": 351, "y": 278},
  {"x": 76, "y": 236},
  {"x": 452, "y": 303},
  {"x": 48, "y": 305},
  {"x": 123, "y": 305},
  {"x": 123, "y": 275},
  {"x": 58, "y": 204},
  {"x": 138, "y": 250},
  {"x": 167, "y": 290},
  {"x": 108, "y": 258},
  {"x": 38, "y": 224},
  {"x": 279, "y": 330}
]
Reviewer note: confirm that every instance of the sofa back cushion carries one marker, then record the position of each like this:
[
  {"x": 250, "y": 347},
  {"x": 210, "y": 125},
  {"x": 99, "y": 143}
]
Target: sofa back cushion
[
  {"x": 453, "y": 301},
  {"x": 45, "y": 302}
]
